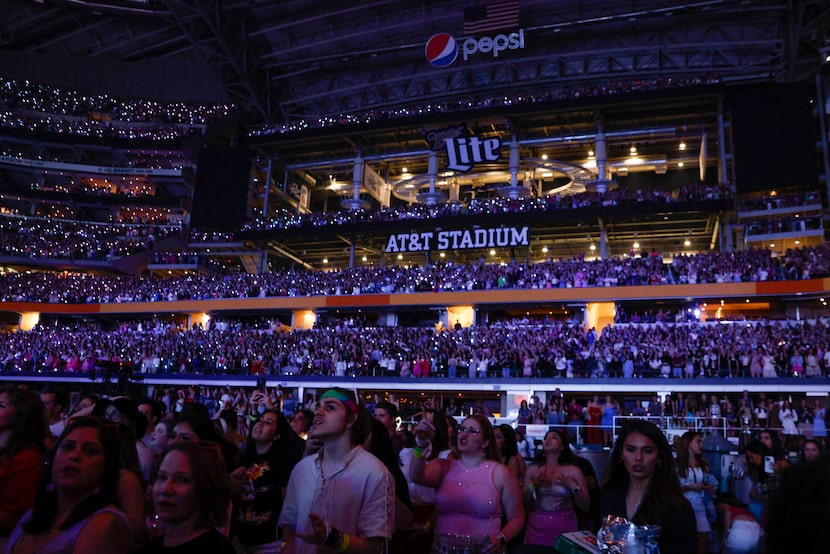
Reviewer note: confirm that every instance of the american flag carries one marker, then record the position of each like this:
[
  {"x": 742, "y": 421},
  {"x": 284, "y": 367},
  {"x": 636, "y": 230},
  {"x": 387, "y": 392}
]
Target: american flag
[{"x": 491, "y": 17}]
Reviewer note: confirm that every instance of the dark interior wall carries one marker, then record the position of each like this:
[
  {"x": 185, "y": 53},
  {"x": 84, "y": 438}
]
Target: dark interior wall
[
  {"x": 774, "y": 138},
  {"x": 221, "y": 194}
]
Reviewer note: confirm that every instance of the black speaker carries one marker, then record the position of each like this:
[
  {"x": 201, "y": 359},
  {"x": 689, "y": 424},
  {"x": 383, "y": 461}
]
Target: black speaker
[
  {"x": 221, "y": 195},
  {"x": 774, "y": 136}
]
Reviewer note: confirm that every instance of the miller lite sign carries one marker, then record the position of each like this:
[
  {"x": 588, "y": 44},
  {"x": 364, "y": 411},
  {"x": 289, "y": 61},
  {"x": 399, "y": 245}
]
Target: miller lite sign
[{"x": 464, "y": 150}]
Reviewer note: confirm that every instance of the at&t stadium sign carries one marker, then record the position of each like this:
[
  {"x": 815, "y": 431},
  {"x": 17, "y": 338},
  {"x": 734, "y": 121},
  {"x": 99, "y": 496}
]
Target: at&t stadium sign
[{"x": 461, "y": 239}]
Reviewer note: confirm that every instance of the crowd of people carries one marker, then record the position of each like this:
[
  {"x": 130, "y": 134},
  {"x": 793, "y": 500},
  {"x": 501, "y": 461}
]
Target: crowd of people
[
  {"x": 46, "y": 108},
  {"x": 684, "y": 350},
  {"x": 645, "y": 268},
  {"x": 239, "y": 471},
  {"x": 491, "y": 206},
  {"x": 66, "y": 239},
  {"x": 527, "y": 97}
]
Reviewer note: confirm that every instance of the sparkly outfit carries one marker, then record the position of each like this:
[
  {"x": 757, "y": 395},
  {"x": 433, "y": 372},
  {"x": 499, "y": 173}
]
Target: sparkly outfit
[
  {"x": 552, "y": 514},
  {"x": 468, "y": 502}
]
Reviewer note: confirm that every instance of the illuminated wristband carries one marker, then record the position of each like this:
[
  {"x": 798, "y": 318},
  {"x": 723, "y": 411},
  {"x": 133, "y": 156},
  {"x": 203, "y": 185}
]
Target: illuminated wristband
[
  {"x": 346, "y": 540},
  {"x": 532, "y": 486},
  {"x": 417, "y": 451}
]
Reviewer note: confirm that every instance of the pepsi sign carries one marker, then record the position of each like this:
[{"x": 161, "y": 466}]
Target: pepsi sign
[{"x": 441, "y": 50}]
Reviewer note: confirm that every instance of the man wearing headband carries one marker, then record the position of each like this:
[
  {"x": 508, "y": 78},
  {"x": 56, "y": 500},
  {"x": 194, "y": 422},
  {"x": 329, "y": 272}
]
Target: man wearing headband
[{"x": 341, "y": 498}]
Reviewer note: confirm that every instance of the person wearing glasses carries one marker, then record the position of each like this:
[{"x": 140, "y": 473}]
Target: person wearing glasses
[
  {"x": 340, "y": 498},
  {"x": 75, "y": 508},
  {"x": 474, "y": 493}
]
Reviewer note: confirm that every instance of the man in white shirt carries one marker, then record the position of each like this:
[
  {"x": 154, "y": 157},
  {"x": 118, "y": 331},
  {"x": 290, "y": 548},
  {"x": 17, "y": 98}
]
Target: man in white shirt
[{"x": 341, "y": 498}]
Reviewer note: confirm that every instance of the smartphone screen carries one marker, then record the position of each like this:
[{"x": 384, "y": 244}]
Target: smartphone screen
[{"x": 769, "y": 464}]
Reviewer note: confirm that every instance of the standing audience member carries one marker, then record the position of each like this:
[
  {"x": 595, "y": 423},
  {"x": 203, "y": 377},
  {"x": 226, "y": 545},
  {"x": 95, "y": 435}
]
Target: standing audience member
[
  {"x": 387, "y": 413},
  {"x": 641, "y": 485},
  {"x": 22, "y": 450},
  {"x": 75, "y": 509},
  {"x": 474, "y": 493},
  {"x": 741, "y": 531},
  {"x": 696, "y": 481},
  {"x": 340, "y": 498},
  {"x": 55, "y": 401},
  {"x": 268, "y": 457},
  {"x": 810, "y": 451},
  {"x": 509, "y": 450},
  {"x": 301, "y": 422},
  {"x": 191, "y": 497},
  {"x": 553, "y": 487},
  {"x": 799, "y": 509}
]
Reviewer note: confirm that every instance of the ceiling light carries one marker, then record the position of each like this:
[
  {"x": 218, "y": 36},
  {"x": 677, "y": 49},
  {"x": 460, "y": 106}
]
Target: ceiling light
[
  {"x": 682, "y": 145},
  {"x": 544, "y": 156},
  {"x": 687, "y": 242},
  {"x": 404, "y": 170},
  {"x": 325, "y": 260},
  {"x": 633, "y": 150},
  {"x": 364, "y": 258},
  {"x": 636, "y": 245},
  {"x": 592, "y": 247},
  {"x": 680, "y": 164},
  {"x": 545, "y": 249},
  {"x": 492, "y": 252}
]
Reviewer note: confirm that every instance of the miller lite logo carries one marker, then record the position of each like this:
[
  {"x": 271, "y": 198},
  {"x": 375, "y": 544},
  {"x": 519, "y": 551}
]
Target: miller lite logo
[{"x": 441, "y": 50}]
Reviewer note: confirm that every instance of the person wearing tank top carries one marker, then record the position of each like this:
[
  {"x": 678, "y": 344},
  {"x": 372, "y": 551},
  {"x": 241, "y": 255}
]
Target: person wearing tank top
[{"x": 474, "y": 493}]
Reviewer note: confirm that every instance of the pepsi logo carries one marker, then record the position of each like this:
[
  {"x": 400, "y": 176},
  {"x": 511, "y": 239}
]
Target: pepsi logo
[{"x": 441, "y": 50}]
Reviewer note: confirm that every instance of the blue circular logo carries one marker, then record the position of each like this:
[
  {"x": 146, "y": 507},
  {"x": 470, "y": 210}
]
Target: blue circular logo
[{"x": 441, "y": 50}]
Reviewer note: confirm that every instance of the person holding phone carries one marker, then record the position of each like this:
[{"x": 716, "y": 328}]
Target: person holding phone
[{"x": 764, "y": 471}]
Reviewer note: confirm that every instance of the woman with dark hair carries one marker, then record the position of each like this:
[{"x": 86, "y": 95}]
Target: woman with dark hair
[
  {"x": 74, "y": 508},
  {"x": 695, "y": 481},
  {"x": 23, "y": 427},
  {"x": 553, "y": 486},
  {"x": 641, "y": 485},
  {"x": 191, "y": 496},
  {"x": 509, "y": 450},
  {"x": 810, "y": 451},
  {"x": 474, "y": 493},
  {"x": 193, "y": 424},
  {"x": 379, "y": 444},
  {"x": 269, "y": 455},
  {"x": 764, "y": 471}
]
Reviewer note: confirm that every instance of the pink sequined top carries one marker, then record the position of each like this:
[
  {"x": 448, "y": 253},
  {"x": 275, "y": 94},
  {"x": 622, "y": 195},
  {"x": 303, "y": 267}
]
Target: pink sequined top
[{"x": 468, "y": 502}]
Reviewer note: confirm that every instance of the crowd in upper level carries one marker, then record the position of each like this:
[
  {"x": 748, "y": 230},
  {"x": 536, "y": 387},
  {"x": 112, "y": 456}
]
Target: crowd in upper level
[
  {"x": 45, "y": 108},
  {"x": 61, "y": 239},
  {"x": 496, "y": 205},
  {"x": 505, "y": 349},
  {"x": 576, "y": 272},
  {"x": 546, "y": 95}
]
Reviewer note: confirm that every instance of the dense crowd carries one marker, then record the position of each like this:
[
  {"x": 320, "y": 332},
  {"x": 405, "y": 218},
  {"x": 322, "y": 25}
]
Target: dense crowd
[
  {"x": 49, "y": 99},
  {"x": 516, "y": 349},
  {"x": 547, "y": 95},
  {"x": 576, "y": 272},
  {"x": 225, "y": 470},
  {"x": 493, "y": 206},
  {"x": 59, "y": 239}
]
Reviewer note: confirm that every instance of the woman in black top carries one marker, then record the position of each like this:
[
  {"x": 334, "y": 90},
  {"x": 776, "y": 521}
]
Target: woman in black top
[
  {"x": 641, "y": 485},
  {"x": 269, "y": 455}
]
